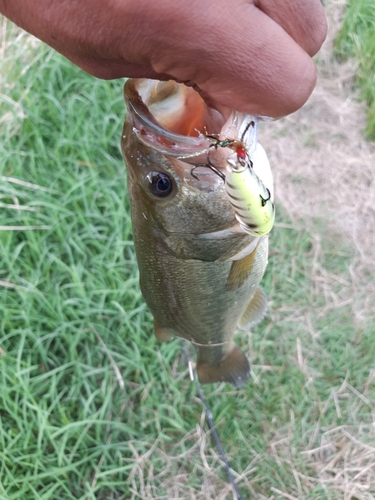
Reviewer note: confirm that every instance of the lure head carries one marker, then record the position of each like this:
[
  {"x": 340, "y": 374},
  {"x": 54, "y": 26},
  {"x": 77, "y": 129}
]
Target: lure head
[
  {"x": 237, "y": 166},
  {"x": 249, "y": 196},
  {"x": 242, "y": 156}
]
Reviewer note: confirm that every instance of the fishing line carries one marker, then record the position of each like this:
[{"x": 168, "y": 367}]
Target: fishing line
[{"x": 210, "y": 420}]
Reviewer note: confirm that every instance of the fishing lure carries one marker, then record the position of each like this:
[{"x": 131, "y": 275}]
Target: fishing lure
[
  {"x": 249, "y": 197},
  {"x": 236, "y": 145}
]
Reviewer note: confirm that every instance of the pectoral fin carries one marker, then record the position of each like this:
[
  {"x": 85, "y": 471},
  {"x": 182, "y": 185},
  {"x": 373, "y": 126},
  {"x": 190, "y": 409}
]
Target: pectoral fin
[
  {"x": 162, "y": 334},
  {"x": 240, "y": 270},
  {"x": 255, "y": 311},
  {"x": 234, "y": 368}
]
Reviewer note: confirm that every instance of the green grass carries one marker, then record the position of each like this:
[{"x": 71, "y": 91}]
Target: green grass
[
  {"x": 357, "y": 39},
  {"x": 71, "y": 310}
]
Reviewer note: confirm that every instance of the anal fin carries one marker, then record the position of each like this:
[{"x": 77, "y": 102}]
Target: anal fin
[
  {"x": 256, "y": 310},
  {"x": 234, "y": 368}
]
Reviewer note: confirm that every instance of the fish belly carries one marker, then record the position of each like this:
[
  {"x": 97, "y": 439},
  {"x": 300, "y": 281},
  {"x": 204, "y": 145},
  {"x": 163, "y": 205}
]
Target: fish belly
[{"x": 191, "y": 299}]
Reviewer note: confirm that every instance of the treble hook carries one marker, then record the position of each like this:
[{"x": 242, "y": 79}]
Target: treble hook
[
  {"x": 264, "y": 200},
  {"x": 250, "y": 124},
  {"x": 211, "y": 167},
  {"x": 207, "y": 165}
]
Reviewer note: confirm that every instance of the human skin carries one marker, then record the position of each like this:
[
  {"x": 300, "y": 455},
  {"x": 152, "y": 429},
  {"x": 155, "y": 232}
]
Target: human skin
[{"x": 251, "y": 55}]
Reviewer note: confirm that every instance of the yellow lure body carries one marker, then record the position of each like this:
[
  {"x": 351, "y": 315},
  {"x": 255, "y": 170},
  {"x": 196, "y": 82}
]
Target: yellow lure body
[{"x": 250, "y": 198}]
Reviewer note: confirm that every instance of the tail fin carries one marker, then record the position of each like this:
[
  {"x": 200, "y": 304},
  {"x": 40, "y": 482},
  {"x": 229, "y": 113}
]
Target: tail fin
[{"x": 234, "y": 368}]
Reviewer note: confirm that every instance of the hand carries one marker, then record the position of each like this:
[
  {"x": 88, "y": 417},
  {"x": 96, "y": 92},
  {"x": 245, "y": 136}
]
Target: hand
[{"x": 249, "y": 55}]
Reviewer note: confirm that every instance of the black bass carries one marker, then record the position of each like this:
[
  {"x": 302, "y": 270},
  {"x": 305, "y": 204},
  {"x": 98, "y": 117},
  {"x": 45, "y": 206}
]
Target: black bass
[{"x": 199, "y": 268}]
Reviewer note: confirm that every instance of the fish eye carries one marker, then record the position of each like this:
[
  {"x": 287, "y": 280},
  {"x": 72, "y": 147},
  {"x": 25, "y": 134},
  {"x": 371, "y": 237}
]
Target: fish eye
[{"x": 160, "y": 184}]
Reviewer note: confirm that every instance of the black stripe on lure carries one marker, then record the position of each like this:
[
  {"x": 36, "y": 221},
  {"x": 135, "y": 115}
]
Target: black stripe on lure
[{"x": 247, "y": 194}]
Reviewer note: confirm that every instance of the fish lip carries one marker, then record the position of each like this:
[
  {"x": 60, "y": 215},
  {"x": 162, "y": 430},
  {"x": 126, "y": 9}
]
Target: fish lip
[
  {"x": 171, "y": 136},
  {"x": 134, "y": 100}
]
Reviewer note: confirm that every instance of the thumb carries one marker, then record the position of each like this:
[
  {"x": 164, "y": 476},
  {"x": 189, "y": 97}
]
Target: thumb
[{"x": 244, "y": 60}]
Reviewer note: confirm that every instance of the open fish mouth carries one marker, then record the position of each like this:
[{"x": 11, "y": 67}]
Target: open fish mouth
[
  {"x": 173, "y": 109},
  {"x": 173, "y": 119}
]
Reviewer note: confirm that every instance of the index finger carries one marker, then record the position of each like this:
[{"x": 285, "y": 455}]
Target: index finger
[
  {"x": 303, "y": 20},
  {"x": 244, "y": 60}
]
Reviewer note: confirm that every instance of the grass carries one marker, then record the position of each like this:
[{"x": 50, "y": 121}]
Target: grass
[
  {"x": 357, "y": 40},
  {"x": 91, "y": 405}
]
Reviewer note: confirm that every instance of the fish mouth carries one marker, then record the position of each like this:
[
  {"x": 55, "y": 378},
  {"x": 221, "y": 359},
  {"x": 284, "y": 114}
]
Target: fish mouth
[
  {"x": 146, "y": 100},
  {"x": 227, "y": 232},
  {"x": 174, "y": 112},
  {"x": 173, "y": 119}
]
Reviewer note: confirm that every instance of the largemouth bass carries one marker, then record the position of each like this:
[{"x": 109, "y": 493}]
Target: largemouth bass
[{"x": 199, "y": 268}]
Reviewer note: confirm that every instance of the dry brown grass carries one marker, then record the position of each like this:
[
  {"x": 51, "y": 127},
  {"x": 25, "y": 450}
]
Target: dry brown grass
[
  {"x": 325, "y": 181},
  {"x": 324, "y": 168}
]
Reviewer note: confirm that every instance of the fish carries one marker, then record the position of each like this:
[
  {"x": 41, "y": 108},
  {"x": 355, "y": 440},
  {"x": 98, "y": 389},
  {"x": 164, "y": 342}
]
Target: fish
[{"x": 200, "y": 271}]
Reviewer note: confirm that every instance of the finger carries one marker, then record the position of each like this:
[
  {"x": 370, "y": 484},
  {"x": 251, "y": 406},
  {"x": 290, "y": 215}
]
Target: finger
[
  {"x": 109, "y": 69},
  {"x": 244, "y": 60},
  {"x": 303, "y": 20}
]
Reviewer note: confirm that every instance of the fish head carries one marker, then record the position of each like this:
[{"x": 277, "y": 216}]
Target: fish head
[{"x": 176, "y": 197}]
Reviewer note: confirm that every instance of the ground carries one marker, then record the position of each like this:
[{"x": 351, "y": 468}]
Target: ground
[{"x": 91, "y": 406}]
